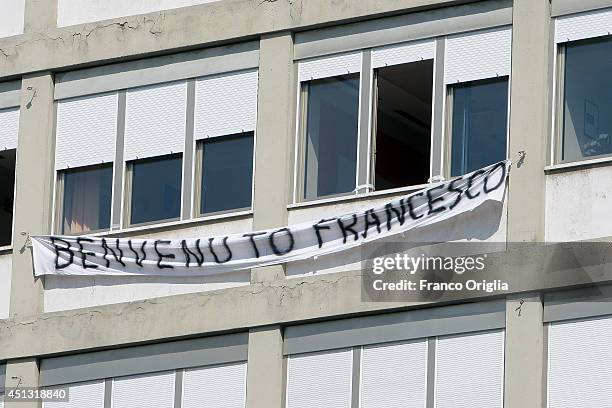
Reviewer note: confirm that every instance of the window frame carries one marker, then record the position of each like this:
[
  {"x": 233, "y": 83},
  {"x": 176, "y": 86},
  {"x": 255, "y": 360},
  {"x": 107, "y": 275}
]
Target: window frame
[
  {"x": 448, "y": 122},
  {"x": 198, "y": 174},
  {"x": 10, "y": 245},
  {"x": 128, "y": 190},
  {"x": 58, "y": 213}
]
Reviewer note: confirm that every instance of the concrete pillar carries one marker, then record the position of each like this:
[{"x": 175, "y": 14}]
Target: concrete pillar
[
  {"x": 524, "y": 352},
  {"x": 275, "y": 138},
  {"x": 33, "y": 194},
  {"x": 22, "y": 374},
  {"x": 529, "y": 118},
  {"x": 40, "y": 15},
  {"x": 265, "y": 385}
]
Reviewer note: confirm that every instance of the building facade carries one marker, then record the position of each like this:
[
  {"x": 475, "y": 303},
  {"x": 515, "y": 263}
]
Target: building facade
[{"x": 197, "y": 118}]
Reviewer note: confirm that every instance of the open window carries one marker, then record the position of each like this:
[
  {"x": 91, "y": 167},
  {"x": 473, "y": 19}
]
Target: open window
[
  {"x": 402, "y": 126},
  {"x": 7, "y": 180},
  {"x": 85, "y": 196},
  {"x": 478, "y": 124}
]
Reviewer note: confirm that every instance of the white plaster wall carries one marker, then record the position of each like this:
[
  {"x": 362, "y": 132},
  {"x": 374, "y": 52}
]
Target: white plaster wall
[
  {"x": 6, "y": 266},
  {"x": 579, "y": 204},
  {"x": 74, "y": 292},
  {"x": 11, "y": 17},
  {"x": 72, "y": 12},
  {"x": 485, "y": 224}
]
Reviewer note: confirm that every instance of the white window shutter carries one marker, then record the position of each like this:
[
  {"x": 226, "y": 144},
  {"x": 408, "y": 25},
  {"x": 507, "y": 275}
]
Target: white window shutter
[
  {"x": 478, "y": 55},
  {"x": 394, "y": 375},
  {"x": 403, "y": 53},
  {"x": 155, "y": 120},
  {"x": 325, "y": 67},
  {"x": 221, "y": 386},
  {"x": 80, "y": 395},
  {"x": 580, "y": 363},
  {"x": 470, "y": 370},
  {"x": 321, "y": 379},
  {"x": 226, "y": 104},
  {"x": 9, "y": 128},
  {"x": 583, "y": 25},
  {"x": 151, "y": 390},
  {"x": 86, "y": 131}
]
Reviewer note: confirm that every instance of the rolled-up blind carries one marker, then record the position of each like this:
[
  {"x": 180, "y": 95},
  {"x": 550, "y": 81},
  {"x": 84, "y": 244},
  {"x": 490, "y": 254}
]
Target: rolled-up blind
[
  {"x": 325, "y": 67},
  {"x": 152, "y": 390},
  {"x": 81, "y": 395},
  {"x": 155, "y": 120},
  {"x": 221, "y": 386},
  {"x": 226, "y": 104},
  {"x": 403, "y": 53},
  {"x": 580, "y": 363},
  {"x": 86, "y": 130},
  {"x": 478, "y": 55},
  {"x": 320, "y": 379},
  {"x": 583, "y": 25},
  {"x": 394, "y": 375},
  {"x": 9, "y": 128},
  {"x": 470, "y": 370}
]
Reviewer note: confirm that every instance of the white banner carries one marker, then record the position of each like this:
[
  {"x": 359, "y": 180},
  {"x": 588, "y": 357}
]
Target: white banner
[{"x": 82, "y": 255}]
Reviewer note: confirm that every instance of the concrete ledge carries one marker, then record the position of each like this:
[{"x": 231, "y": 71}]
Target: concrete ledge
[{"x": 186, "y": 28}]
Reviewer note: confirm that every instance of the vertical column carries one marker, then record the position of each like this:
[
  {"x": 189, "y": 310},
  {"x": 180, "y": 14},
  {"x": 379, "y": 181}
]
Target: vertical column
[
  {"x": 529, "y": 118},
  {"x": 40, "y": 15},
  {"x": 276, "y": 106},
  {"x": 524, "y": 352},
  {"x": 265, "y": 385},
  {"x": 21, "y": 374}
]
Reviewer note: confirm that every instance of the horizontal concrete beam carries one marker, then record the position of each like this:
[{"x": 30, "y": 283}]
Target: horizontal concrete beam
[
  {"x": 197, "y": 26},
  {"x": 284, "y": 302}
]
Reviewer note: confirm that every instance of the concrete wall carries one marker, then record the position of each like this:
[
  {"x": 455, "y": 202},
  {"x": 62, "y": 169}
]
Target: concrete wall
[
  {"x": 578, "y": 204},
  {"x": 6, "y": 264},
  {"x": 65, "y": 293},
  {"x": 72, "y": 12},
  {"x": 11, "y": 17}
]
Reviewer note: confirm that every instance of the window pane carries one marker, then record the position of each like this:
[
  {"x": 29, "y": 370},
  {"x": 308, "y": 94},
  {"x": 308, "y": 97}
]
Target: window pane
[
  {"x": 331, "y": 136},
  {"x": 227, "y": 173},
  {"x": 156, "y": 189},
  {"x": 587, "y": 119},
  {"x": 87, "y": 199},
  {"x": 403, "y": 124},
  {"x": 479, "y": 125},
  {"x": 7, "y": 180}
]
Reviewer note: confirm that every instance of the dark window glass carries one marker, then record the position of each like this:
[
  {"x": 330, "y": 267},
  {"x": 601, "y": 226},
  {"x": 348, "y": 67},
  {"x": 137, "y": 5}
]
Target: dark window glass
[
  {"x": 87, "y": 199},
  {"x": 227, "y": 173},
  {"x": 587, "y": 119},
  {"x": 479, "y": 125},
  {"x": 156, "y": 189},
  {"x": 331, "y": 136},
  {"x": 403, "y": 124},
  {"x": 7, "y": 180}
]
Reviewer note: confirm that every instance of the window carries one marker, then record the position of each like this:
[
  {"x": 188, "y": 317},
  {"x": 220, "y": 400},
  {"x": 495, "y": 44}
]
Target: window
[
  {"x": 86, "y": 199},
  {"x": 478, "y": 124},
  {"x": 7, "y": 180},
  {"x": 227, "y": 173},
  {"x": 155, "y": 189},
  {"x": 587, "y": 104},
  {"x": 403, "y": 124},
  {"x": 330, "y": 151}
]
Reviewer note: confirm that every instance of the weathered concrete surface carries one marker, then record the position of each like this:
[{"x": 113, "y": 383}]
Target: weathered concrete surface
[
  {"x": 529, "y": 118},
  {"x": 206, "y": 24},
  {"x": 22, "y": 373},
  {"x": 34, "y": 189},
  {"x": 265, "y": 368},
  {"x": 524, "y": 352},
  {"x": 40, "y": 15}
]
